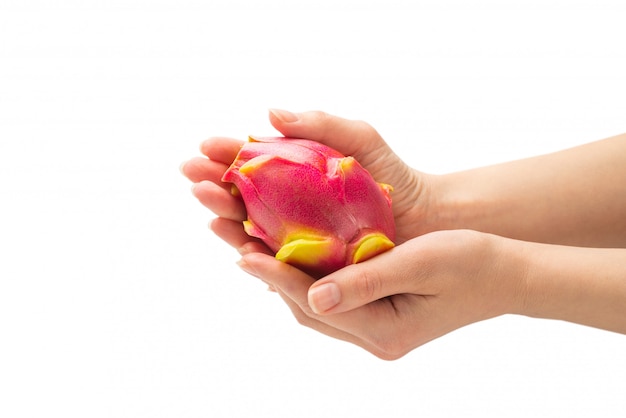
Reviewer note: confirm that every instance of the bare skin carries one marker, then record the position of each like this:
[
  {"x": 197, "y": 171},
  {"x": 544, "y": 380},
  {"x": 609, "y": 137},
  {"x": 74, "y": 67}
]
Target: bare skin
[{"x": 542, "y": 237}]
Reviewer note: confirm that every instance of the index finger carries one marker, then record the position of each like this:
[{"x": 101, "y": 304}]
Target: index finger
[{"x": 221, "y": 149}]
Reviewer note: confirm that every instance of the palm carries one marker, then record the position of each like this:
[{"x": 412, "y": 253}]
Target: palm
[{"x": 408, "y": 194}]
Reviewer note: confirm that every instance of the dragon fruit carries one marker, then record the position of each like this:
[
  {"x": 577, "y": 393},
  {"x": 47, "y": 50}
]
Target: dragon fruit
[{"x": 315, "y": 208}]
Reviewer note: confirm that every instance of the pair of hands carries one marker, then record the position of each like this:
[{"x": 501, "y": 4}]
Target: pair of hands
[{"x": 431, "y": 283}]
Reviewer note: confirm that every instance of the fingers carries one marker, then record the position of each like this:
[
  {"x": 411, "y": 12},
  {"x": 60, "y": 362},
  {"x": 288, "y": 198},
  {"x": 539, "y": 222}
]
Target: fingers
[
  {"x": 291, "y": 280},
  {"x": 233, "y": 234},
  {"x": 200, "y": 169},
  {"x": 354, "y": 286},
  {"x": 220, "y": 149},
  {"x": 398, "y": 271},
  {"x": 221, "y": 153},
  {"x": 292, "y": 285},
  {"x": 353, "y": 138},
  {"x": 207, "y": 174},
  {"x": 219, "y": 200},
  {"x": 350, "y": 137}
]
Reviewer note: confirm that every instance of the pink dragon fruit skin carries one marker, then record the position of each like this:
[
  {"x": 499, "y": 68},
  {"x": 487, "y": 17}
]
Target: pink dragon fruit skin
[{"x": 313, "y": 207}]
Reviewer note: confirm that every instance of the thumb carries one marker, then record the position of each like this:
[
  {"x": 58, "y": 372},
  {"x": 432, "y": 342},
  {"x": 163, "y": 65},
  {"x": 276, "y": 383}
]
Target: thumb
[
  {"x": 350, "y": 137},
  {"x": 359, "y": 284}
]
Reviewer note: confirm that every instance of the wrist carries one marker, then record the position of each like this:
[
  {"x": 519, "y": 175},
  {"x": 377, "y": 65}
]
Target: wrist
[
  {"x": 454, "y": 203},
  {"x": 508, "y": 274},
  {"x": 575, "y": 284},
  {"x": 479, "y": 200}
]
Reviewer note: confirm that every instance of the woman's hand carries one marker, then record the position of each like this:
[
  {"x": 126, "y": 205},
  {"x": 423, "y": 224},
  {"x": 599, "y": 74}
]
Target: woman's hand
[
  {"x": 441, "y": 281},
  {"x": 405, "y": 297}
]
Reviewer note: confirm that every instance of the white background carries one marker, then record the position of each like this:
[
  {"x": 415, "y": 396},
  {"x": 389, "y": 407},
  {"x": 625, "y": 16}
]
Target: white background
[{"x": 115, "y": 299}]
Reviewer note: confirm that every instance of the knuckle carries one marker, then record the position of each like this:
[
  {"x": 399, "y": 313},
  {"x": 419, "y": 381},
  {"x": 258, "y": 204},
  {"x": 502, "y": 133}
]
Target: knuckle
[
  {"x": 366, "y": 129},
  {"x": 319, "y": 116},
  {"x": 365, "y": 126},
  {"x": 368, "y": 285},
  {"x": 323, "y": 121}
]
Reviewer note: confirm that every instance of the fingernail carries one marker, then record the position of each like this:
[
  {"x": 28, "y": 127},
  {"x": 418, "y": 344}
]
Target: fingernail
[
  {"x": 324, "y": 297},
  {"x": 247, "y": 268},
  {"x": 284, "y": 115}
]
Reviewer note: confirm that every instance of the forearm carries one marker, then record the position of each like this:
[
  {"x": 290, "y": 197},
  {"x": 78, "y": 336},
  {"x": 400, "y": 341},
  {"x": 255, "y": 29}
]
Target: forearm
[
  {"x": 573, "y": 197},
  {"x": 580, "y": 285}
]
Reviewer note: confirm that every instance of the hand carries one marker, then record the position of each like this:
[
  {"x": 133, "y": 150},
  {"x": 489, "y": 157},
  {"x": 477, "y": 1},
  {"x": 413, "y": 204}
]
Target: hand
[
  {"x": 405, "y": 297},
  {"x": 355, "y": 138}
]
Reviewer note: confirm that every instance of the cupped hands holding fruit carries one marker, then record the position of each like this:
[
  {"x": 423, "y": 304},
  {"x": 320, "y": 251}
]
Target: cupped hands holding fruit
[
  {"x": 315, "y": 208},
  {"x": 469, "y": 246}
]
